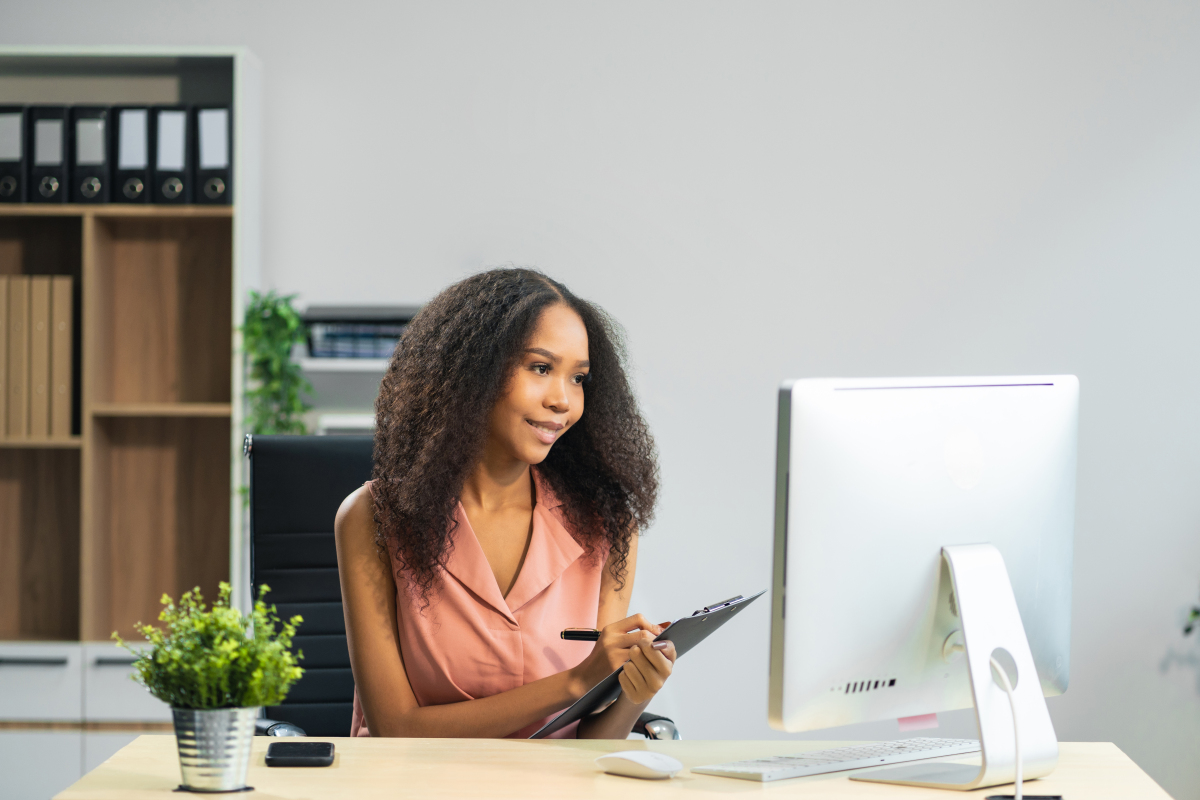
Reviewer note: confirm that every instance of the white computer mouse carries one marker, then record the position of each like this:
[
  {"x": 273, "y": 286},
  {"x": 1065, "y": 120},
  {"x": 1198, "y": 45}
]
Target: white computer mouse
[{"x": 639, "y": 764}]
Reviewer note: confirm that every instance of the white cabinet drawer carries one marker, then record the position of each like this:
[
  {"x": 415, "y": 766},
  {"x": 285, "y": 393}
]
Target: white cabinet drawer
[
  {"x": 98, "y": 747},
  {"x": 110, "y": 694},
  {"x": 35, "y": 765},
  {"x": 41, "y": 681}
]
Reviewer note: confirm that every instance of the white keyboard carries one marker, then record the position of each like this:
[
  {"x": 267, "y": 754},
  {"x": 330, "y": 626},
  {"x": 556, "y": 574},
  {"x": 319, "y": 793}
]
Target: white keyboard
[{"x": 840, "y": 758}]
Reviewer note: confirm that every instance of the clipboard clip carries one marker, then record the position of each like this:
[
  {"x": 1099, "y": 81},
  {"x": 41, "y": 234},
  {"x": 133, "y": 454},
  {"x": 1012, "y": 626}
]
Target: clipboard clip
[{"x": 715, "y": 606}]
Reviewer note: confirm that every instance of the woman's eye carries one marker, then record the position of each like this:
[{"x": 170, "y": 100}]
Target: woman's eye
[
  {"x": 541, "y": 369},
  {"x": 579, "y": 379}
]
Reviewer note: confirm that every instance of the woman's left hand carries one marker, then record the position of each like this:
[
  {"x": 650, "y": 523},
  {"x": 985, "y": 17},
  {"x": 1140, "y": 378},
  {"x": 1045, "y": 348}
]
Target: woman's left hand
[{"x": 646, "y": 671}]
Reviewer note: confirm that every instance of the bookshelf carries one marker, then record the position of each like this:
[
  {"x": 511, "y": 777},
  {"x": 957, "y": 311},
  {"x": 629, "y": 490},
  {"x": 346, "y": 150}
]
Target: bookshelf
[
  {"x": 137, "y": 501},
  {"x": 142, "y": 497}
]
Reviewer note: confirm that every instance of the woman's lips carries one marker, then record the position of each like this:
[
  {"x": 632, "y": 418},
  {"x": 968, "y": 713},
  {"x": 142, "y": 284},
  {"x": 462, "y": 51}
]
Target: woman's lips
[{"x": 546, "y": 432}]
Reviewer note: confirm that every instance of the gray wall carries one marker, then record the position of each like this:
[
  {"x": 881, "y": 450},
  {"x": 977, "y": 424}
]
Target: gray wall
[{"x": 762, "y": 191}]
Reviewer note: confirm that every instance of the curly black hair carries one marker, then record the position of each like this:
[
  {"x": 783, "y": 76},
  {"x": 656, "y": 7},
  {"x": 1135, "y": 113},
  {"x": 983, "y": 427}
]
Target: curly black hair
[{"x": 451, "y": 366}]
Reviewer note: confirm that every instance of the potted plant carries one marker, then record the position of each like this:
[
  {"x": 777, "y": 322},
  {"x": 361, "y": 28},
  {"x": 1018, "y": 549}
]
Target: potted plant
[
  {"x": 215, "y": 667},
  {"x": 270, "y": 330}
]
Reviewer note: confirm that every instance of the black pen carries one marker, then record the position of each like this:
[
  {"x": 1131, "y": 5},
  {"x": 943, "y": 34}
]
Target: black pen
[
  {"x": 581, "y": 635},
  {"x": 590, "y": 635}
]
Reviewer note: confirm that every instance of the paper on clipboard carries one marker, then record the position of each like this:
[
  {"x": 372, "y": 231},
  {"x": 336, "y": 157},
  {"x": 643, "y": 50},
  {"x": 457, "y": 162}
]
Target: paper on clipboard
[{"x": 686, "y": 633}]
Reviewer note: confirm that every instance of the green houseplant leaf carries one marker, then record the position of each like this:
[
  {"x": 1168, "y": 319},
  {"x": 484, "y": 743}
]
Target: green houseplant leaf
[
  {"x": 208, "y": 658},
  {"x": 277, "y": 385}
]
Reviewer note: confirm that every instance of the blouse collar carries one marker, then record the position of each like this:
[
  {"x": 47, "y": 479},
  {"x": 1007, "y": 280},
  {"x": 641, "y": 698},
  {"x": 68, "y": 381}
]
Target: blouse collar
[{"x": 551, "y": 550}]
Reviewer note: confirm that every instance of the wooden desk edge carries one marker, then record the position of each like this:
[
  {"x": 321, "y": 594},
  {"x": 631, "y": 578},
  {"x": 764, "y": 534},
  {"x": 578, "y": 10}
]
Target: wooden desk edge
[{"x": 148, "y": 767}]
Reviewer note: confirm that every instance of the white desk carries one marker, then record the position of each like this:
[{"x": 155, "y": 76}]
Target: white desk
[{"x": 561, "y": 769}]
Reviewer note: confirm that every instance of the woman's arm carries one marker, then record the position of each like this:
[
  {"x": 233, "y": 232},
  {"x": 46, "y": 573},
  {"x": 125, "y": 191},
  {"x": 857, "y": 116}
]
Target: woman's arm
[
  {"x": 646, "y": 670},
  {"x": 391, "y": 709}
]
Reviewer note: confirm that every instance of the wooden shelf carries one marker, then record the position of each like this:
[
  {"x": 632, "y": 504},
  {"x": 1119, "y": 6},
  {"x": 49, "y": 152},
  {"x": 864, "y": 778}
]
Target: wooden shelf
[
  {"x": 162, "y": 332},
  {"x": 158, "y": 354},
  {"x": 70, "y": 443},
  {"x": 112, "y": 210},
  {"x": 160, "y": 516},
  {"x": 39, "y": 543},
  {"x": 104, "y": 727},
  {"x": 162, "y": 410}
]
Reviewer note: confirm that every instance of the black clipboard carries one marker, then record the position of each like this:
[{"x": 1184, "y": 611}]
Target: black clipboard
[{"x": 686, "y": 633}]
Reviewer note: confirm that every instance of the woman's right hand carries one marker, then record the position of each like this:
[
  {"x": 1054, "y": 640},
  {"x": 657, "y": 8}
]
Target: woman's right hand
[{"x": 614, "y": 648}]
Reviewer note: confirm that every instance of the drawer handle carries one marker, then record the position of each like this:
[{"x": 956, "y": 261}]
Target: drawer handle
[
  {"x": 48, "y": 661},
  {"x": 118, "y": 661}
]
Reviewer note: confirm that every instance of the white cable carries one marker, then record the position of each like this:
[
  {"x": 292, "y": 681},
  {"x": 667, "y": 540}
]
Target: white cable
[{"x": 1012, "y": 704}]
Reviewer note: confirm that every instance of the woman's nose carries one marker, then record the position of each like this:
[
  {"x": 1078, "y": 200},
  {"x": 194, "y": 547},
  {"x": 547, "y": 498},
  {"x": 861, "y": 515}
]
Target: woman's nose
[{"x": 557, "y": 397}]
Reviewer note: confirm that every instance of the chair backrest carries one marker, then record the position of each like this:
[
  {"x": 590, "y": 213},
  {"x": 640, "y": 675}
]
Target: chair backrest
[{"x": 296, "y": 486}]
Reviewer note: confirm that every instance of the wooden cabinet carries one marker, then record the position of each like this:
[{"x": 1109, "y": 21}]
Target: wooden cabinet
[
  {"x": 158, "y": 353},
  {"x": 95, "y": 527},
  {"x": 142, "y": 497}
]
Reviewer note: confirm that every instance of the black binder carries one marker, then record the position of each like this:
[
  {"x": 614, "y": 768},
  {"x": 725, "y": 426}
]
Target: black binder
[
  {"x": 49, "y": 138},
  {"x": 132, "y": 147},
  {"x": 90, "y": 172},
  {"x": 212, "y": 158},
  {"x": 14, "y": 153},
  {"x": 171, "y": 177}
]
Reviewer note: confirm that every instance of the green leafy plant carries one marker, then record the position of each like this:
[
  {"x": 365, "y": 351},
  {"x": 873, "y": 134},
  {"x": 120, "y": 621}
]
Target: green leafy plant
[
  {"x": 217, "y": 658},
  {"x": 277, "y": 385},
  {"x": 1193, "y": 618}
]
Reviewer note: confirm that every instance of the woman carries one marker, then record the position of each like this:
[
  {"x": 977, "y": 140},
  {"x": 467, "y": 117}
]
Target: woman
[{"x": 499, "y": 514}]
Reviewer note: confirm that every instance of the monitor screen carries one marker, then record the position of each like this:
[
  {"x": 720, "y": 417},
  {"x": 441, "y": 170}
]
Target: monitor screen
[{"x": 873, "y": 478}]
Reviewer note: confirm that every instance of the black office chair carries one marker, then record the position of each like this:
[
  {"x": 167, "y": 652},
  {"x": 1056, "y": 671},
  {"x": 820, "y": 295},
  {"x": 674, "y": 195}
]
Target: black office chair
[{"x": 296, "y": 486}]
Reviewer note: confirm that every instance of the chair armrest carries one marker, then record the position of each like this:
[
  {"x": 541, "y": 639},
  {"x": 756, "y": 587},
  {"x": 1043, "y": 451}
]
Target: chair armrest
[
  {"x": 656, "y": 726},
  {"x": 273, "y": 727}
]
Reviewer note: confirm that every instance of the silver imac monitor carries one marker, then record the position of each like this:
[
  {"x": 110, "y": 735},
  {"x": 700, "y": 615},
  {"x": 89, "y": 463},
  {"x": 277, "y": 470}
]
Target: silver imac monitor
[{"x": 873, "y": 479}]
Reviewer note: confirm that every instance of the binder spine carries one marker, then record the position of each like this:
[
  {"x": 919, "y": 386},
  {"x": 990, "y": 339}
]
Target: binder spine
[
  {"x": 61, "y": 357},
  {"x": 18, "y": 357},
  {"x": 89, "y": 155},
  {"x": 39, "y": 357},
  {"x": 131, "y": 143},
  {"x": 14, "y": 154},
  {"x": 49, "y": 138},
  {"x": 212, "y": 156},
  {"x": 172, "y": 176}
]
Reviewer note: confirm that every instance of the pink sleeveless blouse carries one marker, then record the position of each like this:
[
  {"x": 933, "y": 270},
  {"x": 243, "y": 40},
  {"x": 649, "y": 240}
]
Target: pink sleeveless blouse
[{"x": 472, "y": 642}]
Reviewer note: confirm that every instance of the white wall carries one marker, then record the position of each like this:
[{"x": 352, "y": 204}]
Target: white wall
[{"x": 761, "y": 191}]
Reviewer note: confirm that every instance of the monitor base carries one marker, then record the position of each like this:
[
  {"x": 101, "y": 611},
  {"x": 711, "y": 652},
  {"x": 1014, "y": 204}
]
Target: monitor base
[
  {"x": 991, "y": 626},
  {"x": 937, "y": 775}
]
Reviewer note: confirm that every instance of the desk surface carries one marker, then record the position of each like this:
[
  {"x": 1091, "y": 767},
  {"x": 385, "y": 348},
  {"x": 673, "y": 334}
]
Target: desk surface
[{"x": 559, "y": 768}]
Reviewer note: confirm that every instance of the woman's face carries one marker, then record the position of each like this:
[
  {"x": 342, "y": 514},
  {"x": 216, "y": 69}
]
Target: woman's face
[{"x": 545, "y": 396}]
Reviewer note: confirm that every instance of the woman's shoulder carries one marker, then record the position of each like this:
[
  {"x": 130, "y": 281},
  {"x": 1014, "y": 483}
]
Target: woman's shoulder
[{"x": 356, "y": 512}]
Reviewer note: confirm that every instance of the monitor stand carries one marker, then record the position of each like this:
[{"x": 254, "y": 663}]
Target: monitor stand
[{"x": 990, "y": 621}]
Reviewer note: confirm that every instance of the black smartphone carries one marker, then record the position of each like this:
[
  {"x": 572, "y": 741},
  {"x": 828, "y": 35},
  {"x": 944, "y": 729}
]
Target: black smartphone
[{"x": 299, "y": 754}]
